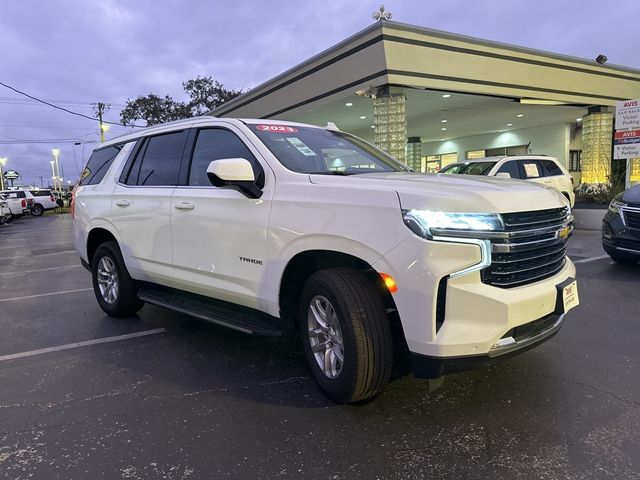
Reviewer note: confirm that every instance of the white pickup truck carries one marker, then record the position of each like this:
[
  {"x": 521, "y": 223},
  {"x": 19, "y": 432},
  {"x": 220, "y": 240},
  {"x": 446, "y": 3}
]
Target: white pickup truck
[
  {"x": 17, "y": 202},
  {"x": 268, "y": 227}
]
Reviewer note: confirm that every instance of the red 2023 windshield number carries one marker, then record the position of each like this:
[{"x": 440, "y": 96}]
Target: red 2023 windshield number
[{"x": 276, "y": 128}]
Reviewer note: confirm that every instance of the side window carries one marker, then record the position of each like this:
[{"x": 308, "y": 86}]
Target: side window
[
  {"x": 158, "y": 162},
  {"x": 530, "y": 168},
  {"x": 215, "y": 144},
  {"x": 98, "y": 165},
  {"x": 510, "y": 167},
  {"x": 550, "y": 168}
]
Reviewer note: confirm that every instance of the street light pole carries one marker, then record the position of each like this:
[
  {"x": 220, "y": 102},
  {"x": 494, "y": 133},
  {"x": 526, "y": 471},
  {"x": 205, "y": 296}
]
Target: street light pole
[
  {"x": 2, "y": 162},
  {"x": 53, "y": 175},
  {"x": 56, "y": 152}
]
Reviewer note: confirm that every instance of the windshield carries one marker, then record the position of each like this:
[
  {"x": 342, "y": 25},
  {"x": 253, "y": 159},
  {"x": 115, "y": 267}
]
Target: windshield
[
  {"x": 315, "y": 150},
  {"x": 469, "y": 168}
]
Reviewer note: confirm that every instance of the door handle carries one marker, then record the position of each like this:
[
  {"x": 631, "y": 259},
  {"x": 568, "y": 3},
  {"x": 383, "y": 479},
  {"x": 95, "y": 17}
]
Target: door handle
[
  {"x": 123, "y": 203},
  {"x": 184, "y": 206}
]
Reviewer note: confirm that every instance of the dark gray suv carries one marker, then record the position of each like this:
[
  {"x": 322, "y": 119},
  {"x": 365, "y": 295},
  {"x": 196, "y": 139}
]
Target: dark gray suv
[{"x": 621, "y": 227}]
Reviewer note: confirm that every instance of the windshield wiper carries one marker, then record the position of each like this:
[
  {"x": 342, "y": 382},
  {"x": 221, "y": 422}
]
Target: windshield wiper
[{"x": 328, "y": 172}]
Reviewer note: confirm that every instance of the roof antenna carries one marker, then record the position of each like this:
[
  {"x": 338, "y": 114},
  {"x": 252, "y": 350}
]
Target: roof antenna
[{"x": 332, "y": 126}]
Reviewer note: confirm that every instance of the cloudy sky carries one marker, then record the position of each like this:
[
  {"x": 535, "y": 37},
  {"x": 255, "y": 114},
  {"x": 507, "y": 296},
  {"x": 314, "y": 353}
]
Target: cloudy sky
[{"x": 75, "y": 53}]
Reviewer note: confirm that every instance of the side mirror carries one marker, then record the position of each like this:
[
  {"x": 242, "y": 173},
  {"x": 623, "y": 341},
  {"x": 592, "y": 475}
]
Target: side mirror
[
  {"x": 235, "y": 173},
  {"x": 503, "y": 175}
]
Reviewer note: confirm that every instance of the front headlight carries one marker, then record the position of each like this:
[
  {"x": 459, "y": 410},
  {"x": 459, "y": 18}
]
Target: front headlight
[
  {"x": 615, "y": 205},
  {"x": 427, "y": 223}
]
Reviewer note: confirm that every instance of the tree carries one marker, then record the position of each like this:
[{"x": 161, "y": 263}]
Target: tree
[
  {"x": 204, "y": 93},
  {"x": 207, "y": 94}
]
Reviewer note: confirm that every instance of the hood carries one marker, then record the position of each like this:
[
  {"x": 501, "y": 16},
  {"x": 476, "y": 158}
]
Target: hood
[
  {"x": 454, "y": 193},
  {"x": 632, "y": 195}
]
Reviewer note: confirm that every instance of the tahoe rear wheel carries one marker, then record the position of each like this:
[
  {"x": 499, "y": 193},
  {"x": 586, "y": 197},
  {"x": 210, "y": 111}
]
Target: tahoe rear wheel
[
  {"x": 115, "y": 290},
  {"x": 37, "y": 210},
  {"x": 346, "y": 334}
]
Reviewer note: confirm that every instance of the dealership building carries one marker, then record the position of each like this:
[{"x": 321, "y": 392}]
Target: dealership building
[{"x": 431, "y": 98}]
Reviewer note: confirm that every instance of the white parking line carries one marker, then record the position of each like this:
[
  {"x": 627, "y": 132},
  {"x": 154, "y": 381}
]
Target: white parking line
[
  {"x": 2, "y": 274},
  {"x": 591, "y": 259},
  {"x": 45, "y": 294},
  {"x": 37, "y": 255},
  {"x": 70, "y": 346}
]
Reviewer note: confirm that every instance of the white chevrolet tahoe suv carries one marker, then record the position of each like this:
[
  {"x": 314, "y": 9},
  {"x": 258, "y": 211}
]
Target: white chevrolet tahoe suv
[
  {"x": 268, "y": 227},
  {"x": 535, "y": 168}
]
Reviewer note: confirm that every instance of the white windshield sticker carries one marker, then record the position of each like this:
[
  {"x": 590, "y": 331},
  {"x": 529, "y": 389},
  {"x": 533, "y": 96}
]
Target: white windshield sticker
[
  {"x": 302, "y": 148},
  {"x": 531, "y": 169}
]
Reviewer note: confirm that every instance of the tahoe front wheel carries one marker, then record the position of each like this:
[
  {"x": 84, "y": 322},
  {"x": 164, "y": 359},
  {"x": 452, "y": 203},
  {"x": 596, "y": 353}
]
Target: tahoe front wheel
[
  {"x": 346, "y": 334},
  {"x": 115, "y": 290}
]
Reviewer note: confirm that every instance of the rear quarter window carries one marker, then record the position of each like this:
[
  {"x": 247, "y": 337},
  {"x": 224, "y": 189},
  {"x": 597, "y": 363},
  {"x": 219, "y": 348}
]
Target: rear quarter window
[
  {"x": 99, "y": 164},
  {"x": 550, "y": 168}
]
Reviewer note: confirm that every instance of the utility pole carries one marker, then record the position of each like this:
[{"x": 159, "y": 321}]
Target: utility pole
[{"x": 100, "y": 109}]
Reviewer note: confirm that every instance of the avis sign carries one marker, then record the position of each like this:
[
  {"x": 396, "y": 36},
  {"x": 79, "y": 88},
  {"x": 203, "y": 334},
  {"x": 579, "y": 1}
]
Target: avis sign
[
  {"x": 628, "y": 114},
  {"x": 626, "y": 144}
]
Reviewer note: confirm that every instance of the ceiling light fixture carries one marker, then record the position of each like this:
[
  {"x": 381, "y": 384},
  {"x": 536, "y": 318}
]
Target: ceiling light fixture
[
  {"x": 373, "y": 126},
  {"x": 446, "y": 95},
  {"x": 579, "y": 119},
  {"x": 362, "y": 117},
  {"x": 443, "y": 121},
  {"x": 348, "y": 104},
  {"x": 509, "y": 124},
  {"x": 443, "y": 128},
  {"x": 520, "y": 115},
  {"x": 540, "y": 101}
]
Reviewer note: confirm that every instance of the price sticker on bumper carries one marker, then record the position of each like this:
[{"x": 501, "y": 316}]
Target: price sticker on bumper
[{"x": 570, "y": 296}]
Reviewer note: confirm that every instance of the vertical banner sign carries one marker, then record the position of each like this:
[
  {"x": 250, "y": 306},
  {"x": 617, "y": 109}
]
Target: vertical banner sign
[{"x": 626, "y": 141}]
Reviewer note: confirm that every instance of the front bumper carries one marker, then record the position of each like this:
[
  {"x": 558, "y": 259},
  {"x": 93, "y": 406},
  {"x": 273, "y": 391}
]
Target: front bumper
[
  {"x": 617, "y": 237},
  {"x": 463, "y": 327},
  {"x": 541, "y": 330}
]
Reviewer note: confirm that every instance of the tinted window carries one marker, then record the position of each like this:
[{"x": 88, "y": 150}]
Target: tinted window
[
  {"x": 511, "y": 168},
  {"x": 530, "y": 168},
  {"x": 550, "y": 168},
  {"x": 469, "y": 168},
  {"x": 158, "y": 162},
  {"x": 453, "y": 168},
  {"x": 215, "y": 144},
  {"x": 14, "y": 194},
  {"x": 98, "y": 165},
  {"x": 40, "y": 193}
]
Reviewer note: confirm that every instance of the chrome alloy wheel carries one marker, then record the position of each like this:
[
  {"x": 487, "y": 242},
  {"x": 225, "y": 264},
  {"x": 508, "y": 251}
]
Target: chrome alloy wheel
[
  {"x": 108, "y": 280},
  {"x": 325, "y": 336}
]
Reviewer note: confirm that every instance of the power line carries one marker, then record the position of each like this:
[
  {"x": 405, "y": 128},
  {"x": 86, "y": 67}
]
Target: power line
[{"x": 61, "y": 108}]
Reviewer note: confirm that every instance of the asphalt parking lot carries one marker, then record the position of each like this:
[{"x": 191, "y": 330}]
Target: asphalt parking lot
[{"x": 162, "y": 395}]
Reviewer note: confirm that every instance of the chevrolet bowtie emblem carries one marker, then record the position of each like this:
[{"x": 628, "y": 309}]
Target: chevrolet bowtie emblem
[{"x": 564, "y": 232}]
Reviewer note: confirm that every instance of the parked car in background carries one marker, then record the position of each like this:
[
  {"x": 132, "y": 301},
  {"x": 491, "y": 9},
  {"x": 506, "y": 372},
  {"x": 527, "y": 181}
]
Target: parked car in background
[
  {"x": 535, "y": 168},
  {"x": 621, "y": 227},
  {"x": 43, "y": 200},
  {"x": 269, "y": 227},
  {"x": 5, "y": 211},
  {"x": 17, "y": 200}
]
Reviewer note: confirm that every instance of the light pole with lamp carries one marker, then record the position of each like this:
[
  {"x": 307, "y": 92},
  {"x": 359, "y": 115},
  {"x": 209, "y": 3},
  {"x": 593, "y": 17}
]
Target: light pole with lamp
[
  {"x": 3, "y": 160},
  {"x": 56, "y": 152},
  {"x": 53, "y": 175}
]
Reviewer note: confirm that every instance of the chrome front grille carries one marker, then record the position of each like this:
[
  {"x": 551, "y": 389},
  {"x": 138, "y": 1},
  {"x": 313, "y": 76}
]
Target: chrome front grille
[
  {"x": 532, "y": 248},
  {"x": 631, "y": 216}
]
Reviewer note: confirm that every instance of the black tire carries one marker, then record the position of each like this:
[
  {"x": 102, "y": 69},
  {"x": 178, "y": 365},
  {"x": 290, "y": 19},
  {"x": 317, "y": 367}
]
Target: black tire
[
  {"x": 10, "y": 219},
  {"x": 125, "y": 302},
  {"x": 367, "y": 343},
  {"x": 622, "y": 259},
  {"x": 37, "y": 210}
]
